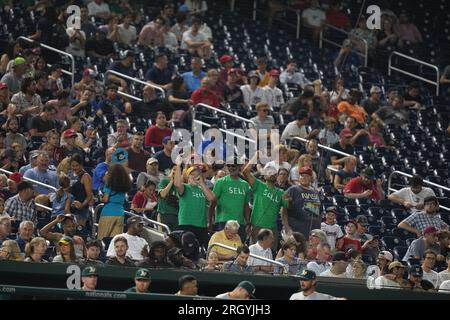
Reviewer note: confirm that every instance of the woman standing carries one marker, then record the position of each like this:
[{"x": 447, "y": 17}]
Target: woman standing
[
  {"x": 80, "y": 188},
  {"x": 112, "y": 217}
]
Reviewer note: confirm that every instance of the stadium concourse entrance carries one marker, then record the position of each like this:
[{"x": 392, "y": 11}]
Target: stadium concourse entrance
[{"x": 165, "y": 281}]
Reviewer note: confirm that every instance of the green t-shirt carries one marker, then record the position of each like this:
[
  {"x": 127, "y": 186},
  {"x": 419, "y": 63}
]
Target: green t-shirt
[
  {"x": 192, "y": 207},
  {"x": 165, "y": 206},
  {"x": 231, "y": 196},
  {"x": 266, "y": 205}
]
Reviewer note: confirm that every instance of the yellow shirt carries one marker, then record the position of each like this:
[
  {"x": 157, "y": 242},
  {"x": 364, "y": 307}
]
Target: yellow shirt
[{"x": 220, "y": 237}]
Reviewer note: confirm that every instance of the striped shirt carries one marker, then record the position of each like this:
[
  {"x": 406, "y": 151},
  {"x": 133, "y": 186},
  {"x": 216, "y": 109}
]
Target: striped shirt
[
  {"x": 22, "y": 211},
  {"x": 421, "y": 220}
]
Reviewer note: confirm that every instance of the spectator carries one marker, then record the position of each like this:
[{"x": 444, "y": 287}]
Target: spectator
[
  {"x": 375, "y": 137},
  {"x": 99, "y": 8},
  {"x": 212, "y": 263},
  {"x": 232, "y": 91},
  {"x": 361, "y": 32},
  {"x": 289, "y": 259},
  {"x": 330, "y": 227},
  {"x": 120, "y": 257},
  {"x": 77, "y": 42},
  {"x": 328, "y": 136},
  {"x": 5, "y": 227},
  {"x": 67, "y": 251},
  {"x": 111, "y": 105},
  {"x": 314, "y": 19},
  {"x": 416, "y": 281},
  {"x": 157, "y": 256},
  {"x": 84, "y": 107},
  {"x": 13, "y": 135},
  {"x": 412, "y": 197},
  {"x": 126, "y": 33},
  {"x": 180, "y": 26},
  {"x": 168, "y": 201},
  {"x": 178, "y": 260},
  {"x": 27, "y": 101},
  {"x": 308, "y": 285},
  {"x": 263, "y": 120},
  {"x": 100, "y": 47},
  {"x": 346, "y": 57},
  {"x": 137, "y": 156},
  {"x": 70, "y": 147},
  {"x": 417, "y": 222},
  {"x": 145, "y": 201},
  {"x": 205, "y": 95},
  {"x": 136, "y": 246},
  {"x": 445, "y": 274},
  {"x": 150, "y": 105},
  {"x": 227, "y": 236},
  {"x": 25, "y": 234},
  {"x": 358, "y": 269},
  {"x": 170, "y": 39},
  {"x": 61, "y": 106},
  {"x": 142, "y": 281},
  {"x": 164, "y": 156},
  {"x": 239, "y": 265},
  {"x": 373, "y": 103},
  {"x": 445, "y": 287},
  {"x": 344, "y": 175},
  {"x": 195, "y": 41},
  {"x": 187, "y": 286},
  {"x": 252, "y": 93},
  {"x": 339, "y": 265},
  {"x": 381, "y": 268},
  {"x": 89, "y": 276},
  {"x": 35, "y": 250},
  {"x": 387, "y": 37},
  {"x": 180, "y": 99},
  {"x": 395, "y": 115},
  {"x": 193, "y": 77},
  {"x": 42, "y": 174},
  {"x": 160, "y": 74},
  {"x": 10, "y": 251},
  {"x": 151, "y": 34},
  {"x": 305, "y": 160},
  {"x": 44, "y": 122},
  {"x": 245, "y": 290},
  {"x": 152, "y": 174},
  {"x": 13, "y": 79},
  {"x": 303, "y": 213},
  {"x": 124, "y": 66},
  {"x": 263, "y": 249},
  {"x": 273, "y": 95},
  {"x": 364, "y": 186},
  {"x": 298, "y": 128},
  {"x": 80, "y": 188},
  {"x": 343, "y": 145},
  {"x": 351, "y": 108},
  {"x": 429, "y": 261},
  {"x": 320, "y": 263},
  {"x": 407, "y": 31},
  {"x": 428, "y": 241},
  {"x": 157, "y": 132},
  {"x": 21, "y": 207},
  {"x": 349, "y": 240},
  {"x": 93, "y": 250},
  {"x": 413, "y": 99},
  {"x": 98, "y": 179},
  {"x": 120, "y": 138}
]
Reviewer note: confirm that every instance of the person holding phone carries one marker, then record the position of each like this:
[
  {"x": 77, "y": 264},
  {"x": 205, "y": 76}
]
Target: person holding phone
[{"x": 365, "y": 186}]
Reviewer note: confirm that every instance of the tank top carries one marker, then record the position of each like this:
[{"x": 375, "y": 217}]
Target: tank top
[{"x": 76, "y": 187}]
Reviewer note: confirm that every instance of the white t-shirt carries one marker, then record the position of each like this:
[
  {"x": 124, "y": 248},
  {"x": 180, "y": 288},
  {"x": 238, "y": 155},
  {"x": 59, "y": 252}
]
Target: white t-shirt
[
  {"x": 127, "y": 36},
  {"x": 314, "y": 16},
  {"x": 384, "y": 283},
  {"x": 414, "y": 198},
  {"x": 313, "y": 296},
  {"x": 328, "y": 273},
  {"x": 431, "y": 276},
  {"x": 277, "y": 166},
  {"x": 75, "y": 48},
  {"x": 318, "y": 268},
  {"x": 332, "y": 232},
  {"x": 170, "y": 41},
  {"x": 443, "y": 276},
  {"x": 95, "y": 9},
  {"x": 293, "y": 130},
  {"x": 189, "y": 36},
  {"x": 256, "y": 249},
  {"x": 445, "y": 287},
  {"x": 251, "y": 97},
  {"x": 135, "y": 246},
  {"x": 273, "y": 96}
]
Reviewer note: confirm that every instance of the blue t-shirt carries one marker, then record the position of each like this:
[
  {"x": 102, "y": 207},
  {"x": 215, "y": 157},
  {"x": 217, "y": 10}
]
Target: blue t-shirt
[
  {"x": 99, "y": 173},
  {"x": 47, "y": 177},
  {"x": 192, "y": 82},
  {"x": 114, "y": 207},
  {"x": 58, "y": 206}
]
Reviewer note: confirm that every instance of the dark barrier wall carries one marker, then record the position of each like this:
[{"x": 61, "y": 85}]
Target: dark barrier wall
[{"x": 210, "y": 284}]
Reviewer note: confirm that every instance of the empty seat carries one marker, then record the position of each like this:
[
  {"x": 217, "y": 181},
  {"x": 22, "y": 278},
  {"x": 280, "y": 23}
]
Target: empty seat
[{"x": 403, "y": 234}]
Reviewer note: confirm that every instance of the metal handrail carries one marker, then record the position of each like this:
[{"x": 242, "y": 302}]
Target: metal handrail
[
  {"x": 282, "y": 265},
  {"x": 207, "y": 106},
  {"x": 72, "y": 74},
  {"x": 320, "y": 146},
  {"x": 366, "y": 46},
  {"x": 121, "y": 75},
  {"x": 126, "y": 95},
  {"x": 390, "y": 67},
  {"x": 43, "y": 207},
  {"x": 162, "y": 225},
  {"x": 424, "y": 181},
  {"x": 31, "y": 180},
  {"x": 225, "y": 131}
]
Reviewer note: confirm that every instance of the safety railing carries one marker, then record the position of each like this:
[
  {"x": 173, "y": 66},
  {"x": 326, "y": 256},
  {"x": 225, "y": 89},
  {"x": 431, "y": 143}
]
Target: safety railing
[
  {"x": 365, "y": 55},
  {"x": 424, "y": 181},
  {"x": 124, "y": 76},
  {"x": 225, "y": 131},
  {"x": 283, "y": 266},
  {"x": 72, "y": 59},
  {"x": 31, "y": 180},
  {"x": 321, "y": 146},
  {"x": 207, "y": 106},
  {"x": 43, "y": 207},
  {"x": 422, "y": 63}
]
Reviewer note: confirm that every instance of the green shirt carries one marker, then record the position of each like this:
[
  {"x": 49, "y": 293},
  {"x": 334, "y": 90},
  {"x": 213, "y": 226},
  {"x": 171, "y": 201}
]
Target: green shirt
[
  {"x": 266, "y": 204},
  {"x": 192, "y": 207},
  {"x": 165, "y": 206},
  {"x": 231, "y": 196}
]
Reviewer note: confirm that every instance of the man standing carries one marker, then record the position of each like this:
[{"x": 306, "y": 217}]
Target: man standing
[
  {"x": 244, "y": 291},
  {"x": 101, "y": 169},
  {"x": 164, "y": 156},
  {"x": 232, "y": 194},
  {"x": 142, "y": 281},
  {"x": 412, "y": 197},
  {"x": 41, "y": 174},
  {"x": 303, "y": 212},
  {"x": 137, "y": 156},
  {"x": 308, "y": 285},
  {"x": 89, "y": 276}
]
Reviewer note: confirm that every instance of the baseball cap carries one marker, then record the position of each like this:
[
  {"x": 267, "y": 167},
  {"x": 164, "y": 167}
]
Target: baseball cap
[
  {"x": 305, "y": 170},
  {"x": 375, "y": 89},
  {"x": 152, "y": 160},
  {"x": 3, "y": 86},
  {"x": 166, "y": 139},
  {"x": 65, "y": 240},
  {"x": 89, "y": 271},
  {"x": 249, "y": 287},
  {"x": 331, "y": 209},
  {"x": 346, "y": 133},
  {"x": 430, "y": 229},
  {"x": 69, "y": 133},
  {"x": 225, "y": 58},
  {"x": 339, "y": 256},
  {"x": 89, "y": 72},
  {"x": 142, "y": 274},
  {"x": 134, "y": 219},
  {"x": 69, "y": 216},
  {"x": 368, "y": 173},
  {"x": 190, "y": 170},
  {"x": 416, "y": 270},
  {"x": 269, "y": 170},
  {"x": 19, "y": 60},
  {"x": 386, "y": 255},
  {"x": 351, "y": 221},
  {"x": 307, "y": 275},
  {"x": 395, "y": 264},
  {"x": 16, "y": 177},
  {"x": 362, "y": 219},
  {"x": 274, "y": 73},
  {"x": 120, "y": 156}
]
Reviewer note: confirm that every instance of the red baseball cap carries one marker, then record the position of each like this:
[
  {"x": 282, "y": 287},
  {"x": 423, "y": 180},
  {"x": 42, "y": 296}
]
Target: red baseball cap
[
  {"x": 346, "y": 133},
  {"x": 16, "y": 177},
  {"x": 225, "y": 58},
  {"x": 430, "y": 229},
  {"x": 69, "y": 133},
  {"x": 3, "y": 86},
  {"x": 305, "y": 170},
  {"x": 274, "y": 73}
]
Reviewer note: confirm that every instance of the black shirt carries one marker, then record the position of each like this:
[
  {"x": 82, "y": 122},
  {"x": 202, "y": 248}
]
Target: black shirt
[
  {"x": 348, "y": 149},
  {"x": 233, "y": 95},
  {"x": 149, "y": 109},
  {"x": 45, "y": 94},
  {"x": 159, "y": 76},
  {"x": 104, "y": 47},
  {"x": 180, "y": 95},
  {"x": 370, "y": 106},
  {"x": 165, "y": 162},
  {"x": 42, "y": 125},
  {"x": 119, "y": 67}
]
